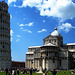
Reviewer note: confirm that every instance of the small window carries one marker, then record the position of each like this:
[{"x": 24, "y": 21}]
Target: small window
[
  {"x": 53, "y": 60},
  {"x": 47, "y": 53},
  {"x": 60, "y": 62},
  {"x": 3, "y": 46},
  {"x": 1, "y": 15},
  {"x": 71, "y": 47},
  {"x": 44, "y": 41},
  {"x": 55, "y": 40},
  {"x": 49, "y": 41}
]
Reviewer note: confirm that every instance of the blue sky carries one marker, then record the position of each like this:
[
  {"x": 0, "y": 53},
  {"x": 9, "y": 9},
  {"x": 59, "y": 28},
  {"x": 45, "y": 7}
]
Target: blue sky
[{"x": 32, "y": 20}]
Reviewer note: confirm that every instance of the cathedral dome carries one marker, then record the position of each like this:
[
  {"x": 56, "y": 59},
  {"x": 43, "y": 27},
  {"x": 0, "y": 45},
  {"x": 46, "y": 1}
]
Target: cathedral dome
[{"x": 55, "y": 33}]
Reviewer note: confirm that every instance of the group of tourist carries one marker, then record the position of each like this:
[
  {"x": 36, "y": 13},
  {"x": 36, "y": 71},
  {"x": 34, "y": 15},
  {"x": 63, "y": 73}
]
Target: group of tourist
[
  {"x": 53, "y": 72},
  {"x": 26, "y": 71},
  {"x": 16, "y": 71},
  {"x": 12, "y": 71}
]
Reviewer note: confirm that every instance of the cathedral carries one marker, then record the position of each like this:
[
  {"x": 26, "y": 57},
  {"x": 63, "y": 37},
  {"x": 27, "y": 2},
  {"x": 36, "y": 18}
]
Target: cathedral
[
  {"x": 5, "y": 49},
  {"x": 53, "y": 54}
]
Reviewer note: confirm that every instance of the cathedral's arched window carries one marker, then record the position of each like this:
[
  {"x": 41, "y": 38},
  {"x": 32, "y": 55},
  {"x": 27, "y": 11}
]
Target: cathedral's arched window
[
  {"x": 60, "y": 62},
  {"x": 53, "y": 60},
  {"x": 1, "y": 15},
  {"x": 49, "y": 41},
  {"x": 3, "y": 46}
]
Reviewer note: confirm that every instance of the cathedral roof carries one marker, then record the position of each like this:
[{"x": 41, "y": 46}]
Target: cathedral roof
[
  {"x": 70, "y": 43},
  {"x": 55, "y": 33},
  {"x": 49, "y": 44},
  {"x": 34, "y": 46},
  {"x": 29, "y": 53},
  {"x": 72, "y": 50}
]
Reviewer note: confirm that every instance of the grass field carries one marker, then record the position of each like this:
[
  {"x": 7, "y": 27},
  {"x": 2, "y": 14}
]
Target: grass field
[{"x": 49, "y": 73}]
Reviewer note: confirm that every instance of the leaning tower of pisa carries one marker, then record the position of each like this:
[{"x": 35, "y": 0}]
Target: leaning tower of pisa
[{"x": 5, "y": 49}]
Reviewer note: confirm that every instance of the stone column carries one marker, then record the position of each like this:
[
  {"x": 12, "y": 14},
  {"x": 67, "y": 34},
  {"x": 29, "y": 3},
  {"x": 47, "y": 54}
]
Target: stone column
[
  {"x": 33, "y": 64},
  {"x": 40, "y": 66},
  {"x": 43, "y": 64},
  {"x": 30, "y": 64}
]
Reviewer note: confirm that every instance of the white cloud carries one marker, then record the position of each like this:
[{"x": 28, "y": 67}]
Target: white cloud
[
  {"x": 30, "y": 3},
  {"x": 21, "y": 28},
  {"x": 26, "y": 30},
  {"x": 43, "y": 21},
  {"x": 11, "y": 34},
  {"x": 29, "y": 31},
  {"x": 11, "y": 39},
  {"x": 10, "y": 16},
  {"x": 29, "y": 24},
  {"x": 63, "y": 9},
  {"x": 65, "y": 27},
  {"x": 17, "y": 40},
  {"x": 22, "y": 25},
  {"x": 10, "y": 1},
  {"x": 17, "y": 6},
  {"x": 18, "y": 36},
  {"x": 43, "y": 30}
]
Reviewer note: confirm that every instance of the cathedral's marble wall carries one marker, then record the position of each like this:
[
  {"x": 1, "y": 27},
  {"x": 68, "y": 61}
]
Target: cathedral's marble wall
[
  {"x": 37, "y": 64},
  {"x": 32, "y": 49},
  {"x": 71, "y": 46},
  {"x": 63, "y": 54},
  {"x": 51, "y": 54},
  {"x": 29, "y": 56},
  {"x": 52, "y": 40},
  {"x": 37, "y": 55},
  {"x": 52, "y": 64},
  {"x": 47, "y": 64},
  {"x": 64, "y": 64},
  {"x": 73, "y": 54},
  {"x": 29, "y": 63}
]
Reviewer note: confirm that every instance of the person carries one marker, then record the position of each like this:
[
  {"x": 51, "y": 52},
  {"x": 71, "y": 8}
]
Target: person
[
  {"x": 9, "y": 71},
  {"x": 24, "y": 71},
  {"x": 17, "y": 71},
  {"x": 54, "y": 72},
  {"x": 30, "y": 71},
  {"x": 13, "y": 72},
  {"x": 43, "y": 71},
  {"x": 6, "y": 71}
]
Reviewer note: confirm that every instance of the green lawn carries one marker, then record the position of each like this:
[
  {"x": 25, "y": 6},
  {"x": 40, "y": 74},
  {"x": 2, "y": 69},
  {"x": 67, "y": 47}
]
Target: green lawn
[
  {"x": 49, "y": 73},
  {"x": 3, "y": 73}
]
